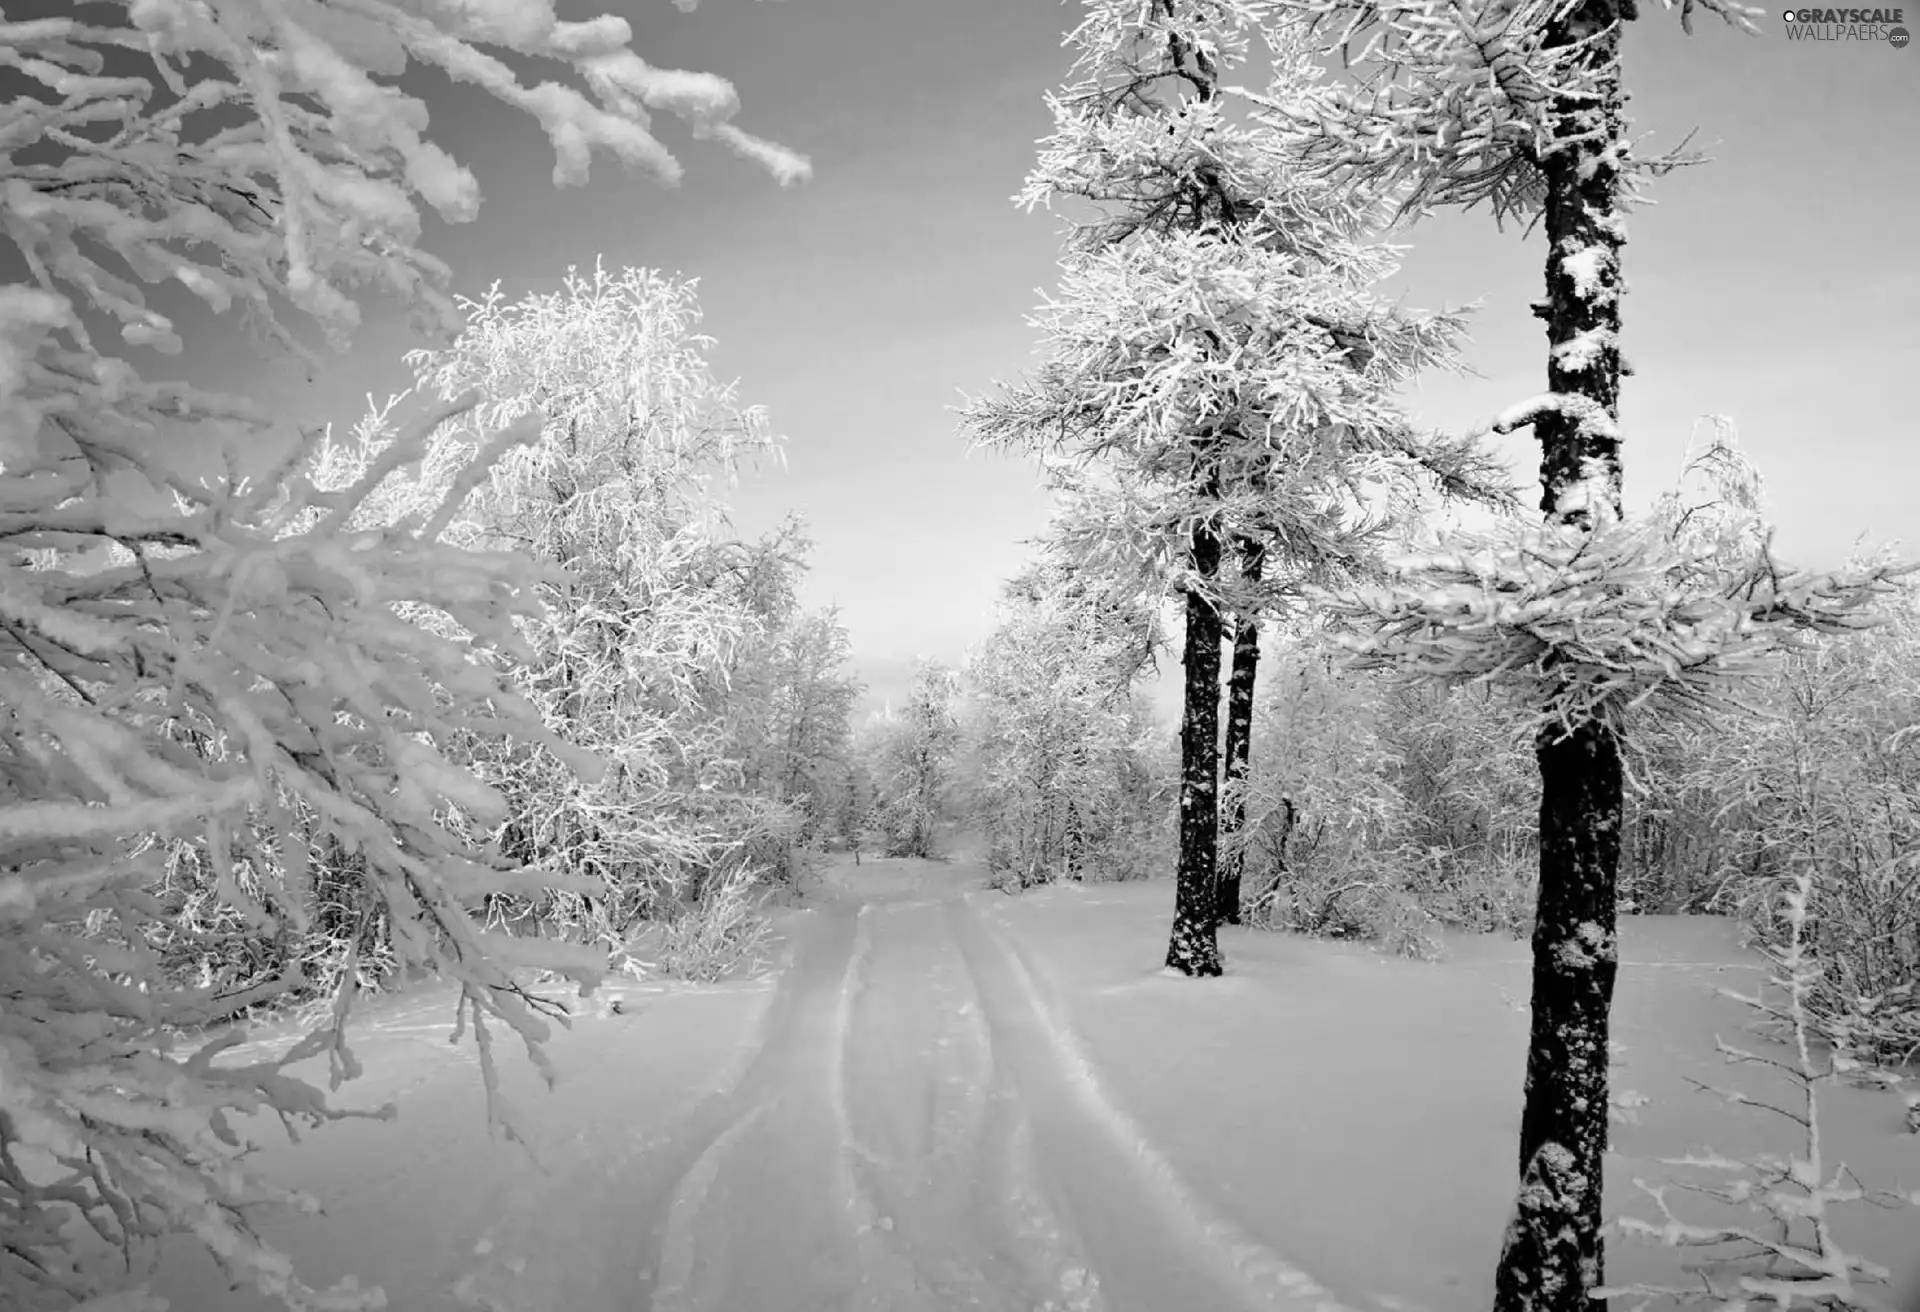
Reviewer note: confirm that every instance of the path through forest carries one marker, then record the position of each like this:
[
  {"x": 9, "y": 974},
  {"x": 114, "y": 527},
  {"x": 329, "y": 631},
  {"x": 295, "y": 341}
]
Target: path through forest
[
  {"x": 909, "y": 1137},
  {"x": 906, "y": 1117},
  {"x": 909, "y": 1130}
]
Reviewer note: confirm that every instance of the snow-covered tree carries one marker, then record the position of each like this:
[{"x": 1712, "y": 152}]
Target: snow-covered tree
[
  {"x": 911, "y": 756},
  {"x": 1062, "y": 776},
  {"x": 197, "y": 643},
  {"x": 1519, "y": 104},
  {"x": 798, "y": 693},
  {"x": 1220, "y": 383},
  {"x": 639, "y": 642}
]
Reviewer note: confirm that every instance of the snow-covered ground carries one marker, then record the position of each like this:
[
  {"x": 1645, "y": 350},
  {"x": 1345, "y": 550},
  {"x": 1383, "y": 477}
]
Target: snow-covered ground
[
  {"x": 952, "y": 1099},
  {"x": 1361, "y": 1111}
]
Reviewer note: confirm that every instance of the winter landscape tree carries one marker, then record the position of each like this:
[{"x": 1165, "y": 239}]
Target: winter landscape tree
[
  {"x": 200, "y": 645},
  {"x": 668, "y": 649},
  {"x": 811, "y": 717},
  {"x": 1521, "y": 107},
  {"x": 490, "y": 689},
  {"x": 1220, "y": 379},
  {"x": 910, "y": 757},
  {"x": 1056, "y": 735}
]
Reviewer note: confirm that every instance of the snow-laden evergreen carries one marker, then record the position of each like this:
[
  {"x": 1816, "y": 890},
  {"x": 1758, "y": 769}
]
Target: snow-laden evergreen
[
  {"x": 1220, "y": 379},
  {"x": 1521, "y": 106}
]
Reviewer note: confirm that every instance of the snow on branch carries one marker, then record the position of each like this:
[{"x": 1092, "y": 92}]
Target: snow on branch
[
  {"x": 252, "y": 674},
  {"x": 287, "y": 166},
  {"x": 1589, "y": 623},
  {"x": 1140, "y": 129},
  {"x": 1454, "y": 102},
  {"x": 247, "y": 692}
]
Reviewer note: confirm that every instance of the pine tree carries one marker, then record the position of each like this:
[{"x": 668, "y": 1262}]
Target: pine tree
[
  {"x": 1242, "y": 678},
  {"x": 1207, "y": 385},
  {"x": 1518, "y": 104}
]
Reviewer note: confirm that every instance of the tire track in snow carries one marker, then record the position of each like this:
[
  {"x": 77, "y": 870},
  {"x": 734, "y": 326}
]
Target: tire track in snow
[
  {"x": 673, "y": 1278},
  {"x": 1250, "y": 1275},
  {"x": 643, "y": 1188},
  {"x": 548, "y": 1245},
  {"x": 842, "y": 1033},
  {"x": 1050, "y": 1257},
  {"x": 797, "y": 1054},
  {"x": 931, "y": 1120},
  {"x": 746, "y": 1228},
  {"x": 888, "y": 1280}
]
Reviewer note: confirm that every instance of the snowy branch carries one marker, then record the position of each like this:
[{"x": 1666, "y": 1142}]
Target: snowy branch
[{"x": 1591, "y": 623}]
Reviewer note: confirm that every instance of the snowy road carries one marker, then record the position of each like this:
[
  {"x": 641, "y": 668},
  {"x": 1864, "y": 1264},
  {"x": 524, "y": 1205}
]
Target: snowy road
[
  {"x": 902, "y": 1119},
  {"x": 910, "y": 1133}
]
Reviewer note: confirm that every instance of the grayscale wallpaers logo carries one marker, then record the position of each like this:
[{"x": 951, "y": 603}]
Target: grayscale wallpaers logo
[{"x": 1847, "y": 25}]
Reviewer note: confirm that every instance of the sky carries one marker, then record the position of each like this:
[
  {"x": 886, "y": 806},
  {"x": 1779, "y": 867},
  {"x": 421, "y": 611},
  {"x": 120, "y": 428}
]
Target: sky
[{"x": 1775, "y": 284}]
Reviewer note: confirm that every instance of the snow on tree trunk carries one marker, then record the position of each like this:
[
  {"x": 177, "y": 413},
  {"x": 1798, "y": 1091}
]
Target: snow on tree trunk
[
  {"x": 1521, "y": 109},
  {"x": 1194, "y": 948},
  {"x": 1553, "y": 1255},
  {"x": 1241, "y": 682}
]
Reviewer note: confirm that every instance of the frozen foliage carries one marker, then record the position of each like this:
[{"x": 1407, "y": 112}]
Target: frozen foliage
[
  {"x": 1219, "y": 384},
  {"x": 1215, "y": 357},
  {"x": 1427, "y": 792},
  {"x": 801, "y": 748},
  {"x": 263, "y": 668},
  {"x": 287, "y": 163},
  {"x": 1460, "y": 102},
  {"x": 640, "y": 641},
  {"x": 229, "y": 691},
  {"x": 1590, "y": 623},
  {"x": 1788, "y": 1253},
  {"x": 1062, "y": 759},
  {"x": 1822, "y": 781},
  {"x": 1378, "y": 808},
  {"x": 911, "y": 756}
]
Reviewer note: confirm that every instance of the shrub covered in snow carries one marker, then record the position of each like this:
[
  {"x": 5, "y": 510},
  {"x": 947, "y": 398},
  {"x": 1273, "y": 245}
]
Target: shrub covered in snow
[
  {"x": 1772, "y": 1240},
  {"x": 667, "y": 649},
  {"x": 1379, "y": 809}
]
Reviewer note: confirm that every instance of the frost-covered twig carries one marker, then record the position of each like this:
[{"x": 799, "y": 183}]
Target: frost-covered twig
[{"x": 1790, "y": 1254}]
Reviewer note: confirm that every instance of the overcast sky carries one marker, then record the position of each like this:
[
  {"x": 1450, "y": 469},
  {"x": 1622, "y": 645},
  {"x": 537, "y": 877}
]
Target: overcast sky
[{"x": 1776, "y": 284}]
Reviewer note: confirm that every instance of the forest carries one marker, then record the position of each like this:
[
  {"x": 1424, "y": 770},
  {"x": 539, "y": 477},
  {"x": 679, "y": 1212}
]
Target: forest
[{"x": 486, "y": 691}]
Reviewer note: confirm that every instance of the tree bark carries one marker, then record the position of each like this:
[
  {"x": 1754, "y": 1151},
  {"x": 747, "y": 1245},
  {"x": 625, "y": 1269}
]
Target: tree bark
[
  {"x": 1239, "y": 749},
  {"x": 1194, "y": 948},
  {"x": 1553, "y": 1256}
]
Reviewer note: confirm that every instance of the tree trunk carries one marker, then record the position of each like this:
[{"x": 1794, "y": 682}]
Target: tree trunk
[
  {"x": 1552, "y": 1257},
  {"x": 1239, "y": 749},
  {"x": 1194, "y": 948}
]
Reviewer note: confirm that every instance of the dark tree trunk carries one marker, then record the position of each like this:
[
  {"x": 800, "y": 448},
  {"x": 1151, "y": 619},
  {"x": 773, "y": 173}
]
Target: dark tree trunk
[
  {"x": 1194, "y": 948},
  {"x": 1553, "y": 1257},
  {"x": 1553, "y": 1252},
  {"x": 1239, "y": 749}
]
